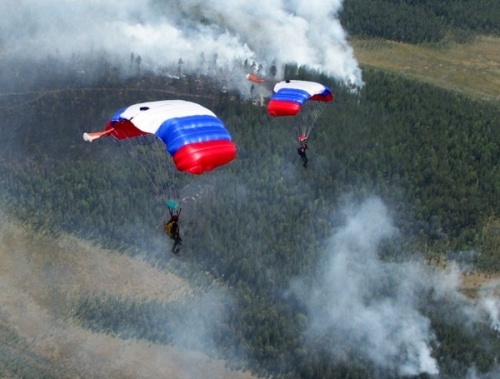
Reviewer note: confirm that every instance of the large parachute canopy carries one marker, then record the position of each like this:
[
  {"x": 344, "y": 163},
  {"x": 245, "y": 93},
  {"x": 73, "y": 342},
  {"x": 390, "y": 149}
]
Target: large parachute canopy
[
  {"x": 300, "y": 99},
  {"x": 196, "y": 139}
]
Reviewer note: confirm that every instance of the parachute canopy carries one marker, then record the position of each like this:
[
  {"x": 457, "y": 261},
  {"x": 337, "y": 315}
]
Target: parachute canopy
[
  {"x": 196, "y": 139},
  {"x": 172, "y": 205},
  {"x": 254, "y": 78},
  {"x": 290, "y": 95}
]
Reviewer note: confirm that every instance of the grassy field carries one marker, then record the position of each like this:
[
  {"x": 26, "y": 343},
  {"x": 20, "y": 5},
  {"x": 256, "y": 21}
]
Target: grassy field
[{"x": 472, "y": 68}]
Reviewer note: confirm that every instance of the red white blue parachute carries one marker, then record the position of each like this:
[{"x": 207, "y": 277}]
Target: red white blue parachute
[
  {"x": 303, "y": 100},
  {"x": 196, "y": 139}
]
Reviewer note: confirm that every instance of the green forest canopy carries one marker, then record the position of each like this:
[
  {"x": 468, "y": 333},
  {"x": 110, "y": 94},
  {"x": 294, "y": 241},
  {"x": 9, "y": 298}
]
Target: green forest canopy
[{"x": 431, "y": 155}]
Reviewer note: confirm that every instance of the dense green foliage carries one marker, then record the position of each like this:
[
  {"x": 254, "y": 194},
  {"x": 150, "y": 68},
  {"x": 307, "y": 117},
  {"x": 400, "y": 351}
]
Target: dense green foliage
[
  {"x": 256, "y": 224},
  {"x": 418, "y": 21}
]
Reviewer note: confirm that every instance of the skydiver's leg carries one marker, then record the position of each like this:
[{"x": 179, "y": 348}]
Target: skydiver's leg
[
  {"x": 304, "y": 160},
  {"x": 175, "y": 250},
  {"x": 177, "y": 245}
]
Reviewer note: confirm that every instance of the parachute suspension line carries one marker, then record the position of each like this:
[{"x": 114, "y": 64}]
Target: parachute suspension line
[
  {"x": 318, "y": 109},
  {"x": 309, "y": 116},
  {"x": 149, "y": 153},
  {"x": 131, "y": 146},
  {"x": 193, "y": 198}
]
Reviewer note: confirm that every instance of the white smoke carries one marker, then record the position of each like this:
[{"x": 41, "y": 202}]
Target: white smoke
[
  {"x": 368, "y": 306},
  {"x": 163, "y": 31},
  {"x": 360, "y": 304},
  {"x": 491, "y": 304}
]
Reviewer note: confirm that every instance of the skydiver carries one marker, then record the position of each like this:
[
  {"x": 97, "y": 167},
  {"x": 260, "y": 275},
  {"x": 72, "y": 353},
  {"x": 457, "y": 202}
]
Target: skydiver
[
  {"x": 302, "y": 149},
  {"x": 173, "y": 231}
]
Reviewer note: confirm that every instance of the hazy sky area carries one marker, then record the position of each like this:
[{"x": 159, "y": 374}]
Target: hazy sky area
[{"x": 163, "y": 31}]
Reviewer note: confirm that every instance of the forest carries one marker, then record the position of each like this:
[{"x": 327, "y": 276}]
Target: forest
[
  {"x": 421, "y": 21},
  {"x": 431, "y": 155},
  {"x": 263, "y": 222}
]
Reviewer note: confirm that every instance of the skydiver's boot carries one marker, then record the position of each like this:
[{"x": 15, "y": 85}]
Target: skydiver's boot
[{"x": 177, "y": 246}]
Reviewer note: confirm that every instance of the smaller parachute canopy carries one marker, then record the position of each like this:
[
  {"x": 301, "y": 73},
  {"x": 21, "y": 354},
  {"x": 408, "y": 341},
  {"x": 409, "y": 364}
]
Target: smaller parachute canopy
[
  {"x": 254, "y": 78},
  {"x": 196, "y": 139},
  {"x": 290, "y": 95},
  {"x": 172, "y": 205}
]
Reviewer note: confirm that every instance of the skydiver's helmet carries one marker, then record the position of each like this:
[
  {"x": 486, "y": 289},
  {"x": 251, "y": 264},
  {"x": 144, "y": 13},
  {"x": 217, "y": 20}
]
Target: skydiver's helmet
[
  {"x": 302, "y": 138},
  {"x": 175, "y": 217}
]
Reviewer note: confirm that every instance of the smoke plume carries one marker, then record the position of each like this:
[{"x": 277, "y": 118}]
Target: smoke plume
[
  {"x": 350, "y": 298},
  {"x": 207, "y": 35},
  {"x": 362, "y": 305}
]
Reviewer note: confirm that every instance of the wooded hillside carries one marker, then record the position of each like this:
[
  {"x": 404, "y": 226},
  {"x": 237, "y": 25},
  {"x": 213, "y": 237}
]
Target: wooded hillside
[
  {"x": 263, "y": 230},
  {"x": 429, "y": 154}
]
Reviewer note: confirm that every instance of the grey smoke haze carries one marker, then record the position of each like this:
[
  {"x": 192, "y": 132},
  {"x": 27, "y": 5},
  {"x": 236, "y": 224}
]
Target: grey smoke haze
[
  {"x": 162, "y": 31},
  {"x": 373, "y": 308}
]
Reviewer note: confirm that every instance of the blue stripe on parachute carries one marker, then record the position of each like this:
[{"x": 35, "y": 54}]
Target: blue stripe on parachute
[
  {"x": 292, "y": 95},
  {"x": 326, "y": 92},
  {"x": 118, "y": 115},
  {"x": 181, "y": 131}
]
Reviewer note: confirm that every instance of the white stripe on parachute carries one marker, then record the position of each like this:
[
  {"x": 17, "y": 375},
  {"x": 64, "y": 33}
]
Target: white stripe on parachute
[{"x": 150, "y": 120}]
